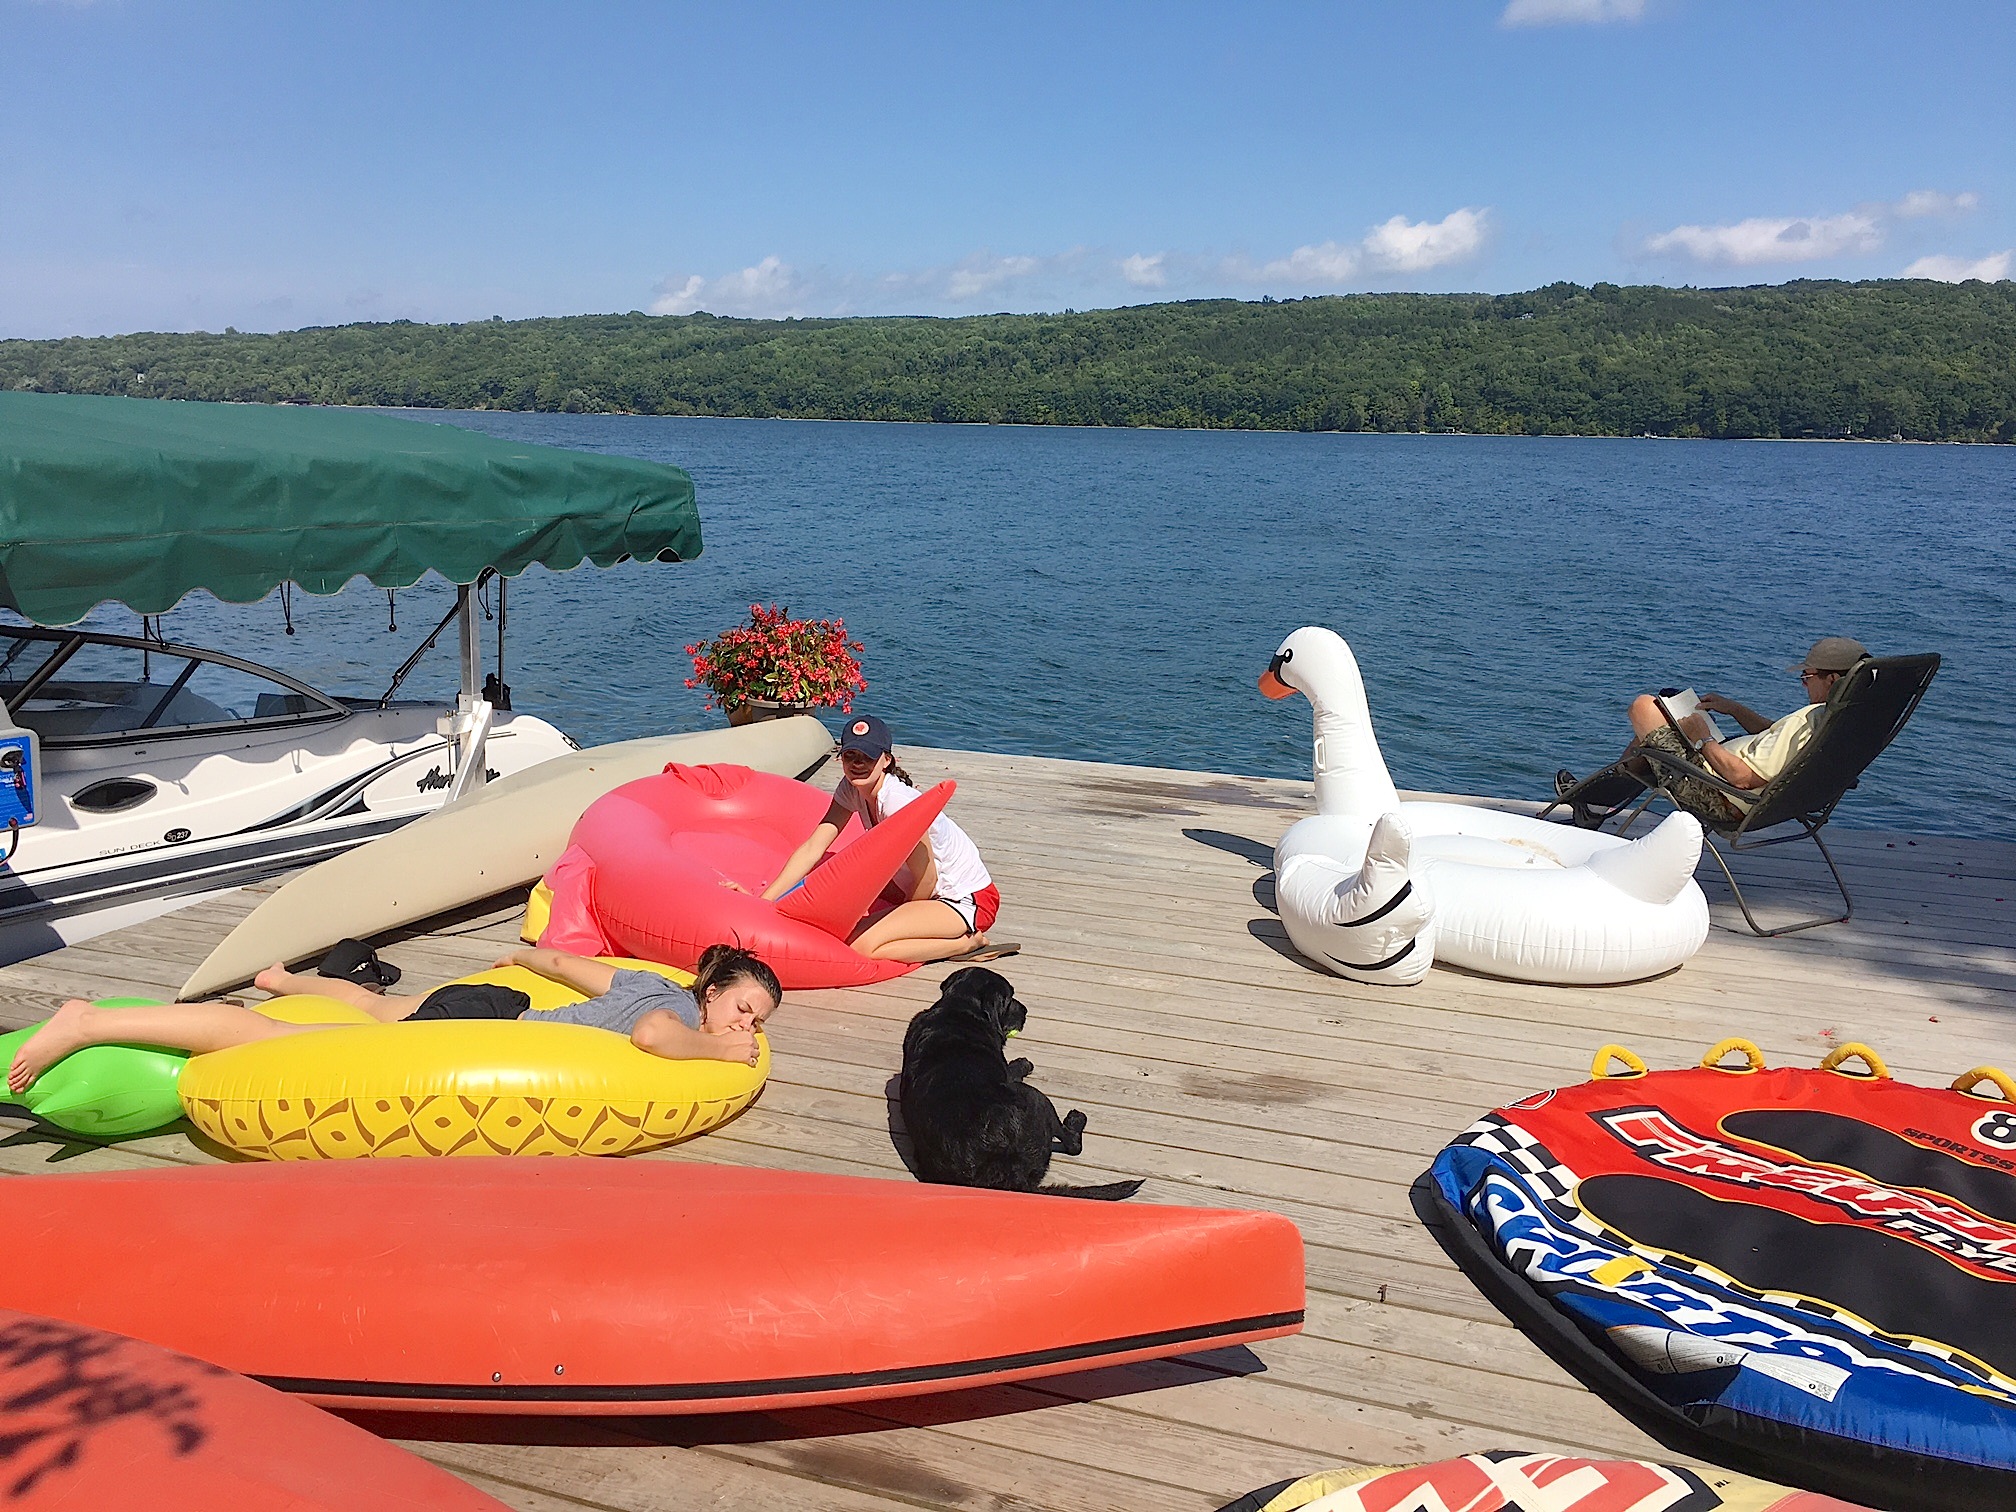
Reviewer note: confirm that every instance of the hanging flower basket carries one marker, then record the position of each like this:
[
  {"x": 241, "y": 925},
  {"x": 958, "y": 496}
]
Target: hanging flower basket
[{"x": 775, "y": 665}]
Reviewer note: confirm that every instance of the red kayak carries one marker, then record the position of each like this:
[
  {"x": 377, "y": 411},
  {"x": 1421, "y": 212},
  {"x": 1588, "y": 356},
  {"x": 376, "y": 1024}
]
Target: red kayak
[
  {"x": 634, "y": 1286},
  {"x": 91, "y": 1420}
]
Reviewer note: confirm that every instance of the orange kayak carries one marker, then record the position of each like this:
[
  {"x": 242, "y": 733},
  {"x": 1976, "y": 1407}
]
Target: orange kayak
[
  {"x": 633, "y": 1286},
  {"x": 89, "y": 1419}
]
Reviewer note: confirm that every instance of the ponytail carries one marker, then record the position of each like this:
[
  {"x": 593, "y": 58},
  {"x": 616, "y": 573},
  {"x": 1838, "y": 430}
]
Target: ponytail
[
  {"x": 896, "y": 771},
  {"x": 725, "y": 965}
]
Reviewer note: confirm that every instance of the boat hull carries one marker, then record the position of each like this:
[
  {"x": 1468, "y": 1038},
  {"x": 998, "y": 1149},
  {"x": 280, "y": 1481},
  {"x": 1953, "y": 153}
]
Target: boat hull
[
  {"x": 636, "y": 1287},
  {"x": 228, "y": 811}
]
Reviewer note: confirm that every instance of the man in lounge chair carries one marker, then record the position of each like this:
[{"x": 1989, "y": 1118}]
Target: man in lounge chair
[{"x": 1749, "y": 761}]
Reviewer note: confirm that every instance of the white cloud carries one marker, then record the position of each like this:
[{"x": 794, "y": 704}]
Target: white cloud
[
  {"x": 771, "y": 288},
  {"x": 1306, "y": 267},
  {"x": 776, "y": 290},
  {"x": 1570, "y": 12},
  {"x": 1772, "y": 239},
  {"x": 1144, "y": 270},
  {"x": 1401, "y": 246},
  {"x": 1990, "y": 269},
  {"x": 1808, "y": 238},
  {"x": 1920, "y": 203},
  {"x": 1083, "y": 277},
  {"x": 983, "y": 273},
  {"x": 1394, "y": 246}
]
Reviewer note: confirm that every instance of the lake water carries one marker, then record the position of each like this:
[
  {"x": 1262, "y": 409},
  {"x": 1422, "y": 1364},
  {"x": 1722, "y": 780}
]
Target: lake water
[{"x": 1114, "y": 594}]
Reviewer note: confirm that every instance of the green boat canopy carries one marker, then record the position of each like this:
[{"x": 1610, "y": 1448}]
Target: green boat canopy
[{"x": 143, "y": 500}]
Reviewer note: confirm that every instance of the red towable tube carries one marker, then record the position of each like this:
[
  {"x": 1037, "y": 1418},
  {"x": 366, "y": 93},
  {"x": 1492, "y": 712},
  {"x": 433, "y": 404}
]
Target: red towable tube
[
  {"x": 91, "y": 1419},
  {"x": 644, "y": 871}
]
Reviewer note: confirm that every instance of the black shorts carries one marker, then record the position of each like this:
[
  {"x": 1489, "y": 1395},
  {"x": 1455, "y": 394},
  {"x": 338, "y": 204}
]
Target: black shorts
[{"x": 467, "y": 1000}]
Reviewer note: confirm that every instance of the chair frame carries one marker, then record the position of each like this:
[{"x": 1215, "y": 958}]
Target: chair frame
[
  {"x": 1747, "y": 834},
  {"x": 1737, "y": 837}
]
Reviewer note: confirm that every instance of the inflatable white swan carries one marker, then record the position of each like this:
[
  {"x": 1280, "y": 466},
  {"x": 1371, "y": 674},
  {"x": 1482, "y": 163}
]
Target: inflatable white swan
[{"x": 1377, "y": 889}]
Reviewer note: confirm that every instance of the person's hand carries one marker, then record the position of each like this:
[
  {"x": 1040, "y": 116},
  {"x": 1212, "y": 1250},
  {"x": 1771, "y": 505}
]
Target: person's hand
[
  {"x": 1715, "y": 703},
  {"x": 509, "y": 958},
  {"x": 734, "y": 1045},
  {"x": 733, "y": 886}
]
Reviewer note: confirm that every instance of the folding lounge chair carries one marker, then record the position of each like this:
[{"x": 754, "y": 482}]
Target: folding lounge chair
[{"x": 1864, "y": 714}]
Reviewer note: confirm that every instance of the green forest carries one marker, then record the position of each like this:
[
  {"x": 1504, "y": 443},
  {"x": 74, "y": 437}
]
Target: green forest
[{"x": 1887, "y": 358}]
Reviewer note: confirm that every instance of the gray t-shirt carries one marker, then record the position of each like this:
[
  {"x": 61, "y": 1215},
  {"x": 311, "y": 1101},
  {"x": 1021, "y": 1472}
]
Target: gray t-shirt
[{"x": 630, "y": 996}]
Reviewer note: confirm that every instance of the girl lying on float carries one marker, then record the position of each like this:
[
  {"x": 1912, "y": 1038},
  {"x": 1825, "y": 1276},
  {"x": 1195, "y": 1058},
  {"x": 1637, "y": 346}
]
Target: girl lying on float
[{"x": 443, "y": 1074}]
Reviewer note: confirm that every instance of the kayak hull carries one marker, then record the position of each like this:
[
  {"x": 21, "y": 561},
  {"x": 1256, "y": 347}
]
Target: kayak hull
[{"x": 636, "y": 1287}]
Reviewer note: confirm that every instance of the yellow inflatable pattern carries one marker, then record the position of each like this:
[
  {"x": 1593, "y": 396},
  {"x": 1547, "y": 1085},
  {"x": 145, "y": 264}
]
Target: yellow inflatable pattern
[{"x": 457, "y": 1087}]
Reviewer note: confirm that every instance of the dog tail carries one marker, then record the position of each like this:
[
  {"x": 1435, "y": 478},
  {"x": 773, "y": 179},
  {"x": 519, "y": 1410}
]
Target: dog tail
[{"x": 1112, "y": 1191}]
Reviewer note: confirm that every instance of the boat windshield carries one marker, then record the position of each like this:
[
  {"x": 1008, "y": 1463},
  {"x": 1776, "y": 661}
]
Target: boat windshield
[{"x": 74, "y": 689}]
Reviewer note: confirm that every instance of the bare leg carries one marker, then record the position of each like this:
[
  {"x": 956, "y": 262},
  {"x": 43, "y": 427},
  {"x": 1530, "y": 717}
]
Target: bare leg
[
  {"x": 1646, "y": 716},
  {"x": 281, "y": 982},
  {"x": 922, "y": 930},
  {"x": 195, "y": 1027}
]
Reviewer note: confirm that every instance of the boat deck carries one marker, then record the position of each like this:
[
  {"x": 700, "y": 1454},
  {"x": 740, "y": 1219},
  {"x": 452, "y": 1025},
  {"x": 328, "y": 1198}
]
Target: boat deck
[{"x": 1165, "y": 1002}]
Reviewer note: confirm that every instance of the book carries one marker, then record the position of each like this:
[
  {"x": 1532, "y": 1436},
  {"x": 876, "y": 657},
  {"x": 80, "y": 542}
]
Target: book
[{"x": 1682, "y": 702}]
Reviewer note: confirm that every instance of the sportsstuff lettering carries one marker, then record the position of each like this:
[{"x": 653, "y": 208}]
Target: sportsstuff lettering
[{"x": 1961, "y": 1235}]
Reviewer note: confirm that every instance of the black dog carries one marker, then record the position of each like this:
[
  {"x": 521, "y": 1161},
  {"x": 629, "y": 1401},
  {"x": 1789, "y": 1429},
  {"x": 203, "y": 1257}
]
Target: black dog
[{"x": 973, "y": 1120}]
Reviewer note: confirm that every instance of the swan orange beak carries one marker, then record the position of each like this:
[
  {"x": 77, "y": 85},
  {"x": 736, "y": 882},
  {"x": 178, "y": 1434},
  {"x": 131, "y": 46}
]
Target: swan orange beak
[{"x": 1271, "y": 684}]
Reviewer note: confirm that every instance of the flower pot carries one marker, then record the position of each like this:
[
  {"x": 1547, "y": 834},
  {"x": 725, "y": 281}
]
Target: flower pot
[{"x": 755, "y": 710}]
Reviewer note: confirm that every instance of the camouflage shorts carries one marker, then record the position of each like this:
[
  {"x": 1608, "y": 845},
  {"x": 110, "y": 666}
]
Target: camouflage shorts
[{"x": 1690, "y": 793}]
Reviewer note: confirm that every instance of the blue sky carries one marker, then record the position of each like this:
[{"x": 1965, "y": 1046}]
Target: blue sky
[{"x": 270, "y": 165}]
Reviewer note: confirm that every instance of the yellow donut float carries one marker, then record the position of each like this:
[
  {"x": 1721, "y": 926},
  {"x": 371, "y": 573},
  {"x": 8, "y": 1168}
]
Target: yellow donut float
[{"x": 458, "y": 1087}]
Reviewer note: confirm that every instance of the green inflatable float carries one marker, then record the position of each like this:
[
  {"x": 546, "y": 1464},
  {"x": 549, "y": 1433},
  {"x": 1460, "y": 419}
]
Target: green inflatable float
[{"x": 104, "y": 1091}]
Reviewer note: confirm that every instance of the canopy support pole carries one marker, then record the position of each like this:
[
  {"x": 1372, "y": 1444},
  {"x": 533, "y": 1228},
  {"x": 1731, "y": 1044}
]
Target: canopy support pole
[{"x": 469, "y": 726}]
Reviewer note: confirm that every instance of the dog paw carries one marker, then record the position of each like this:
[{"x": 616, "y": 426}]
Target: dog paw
[
  {"x": 1071, "y": 1135},
  {"x": 1017, "y": 1069}
]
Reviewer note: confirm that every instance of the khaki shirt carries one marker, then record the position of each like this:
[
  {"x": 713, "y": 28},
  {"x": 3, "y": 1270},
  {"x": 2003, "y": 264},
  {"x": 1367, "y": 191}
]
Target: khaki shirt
[{"x": 1770, "y": 751}]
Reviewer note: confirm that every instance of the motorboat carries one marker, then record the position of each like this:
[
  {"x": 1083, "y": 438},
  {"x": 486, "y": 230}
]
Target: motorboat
[
  {"x": 138, "y": 775},
  {"x": 170, "y": 773}
]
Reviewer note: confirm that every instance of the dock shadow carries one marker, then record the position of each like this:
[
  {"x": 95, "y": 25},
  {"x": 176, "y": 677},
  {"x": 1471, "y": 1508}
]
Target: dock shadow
[
  {"x": 1233, "y": 845},
  {"x": 899, "y": 1136}
]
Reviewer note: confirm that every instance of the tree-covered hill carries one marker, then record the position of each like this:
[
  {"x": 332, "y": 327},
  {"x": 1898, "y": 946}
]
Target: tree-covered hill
[{"x": 1923, "y": 360}]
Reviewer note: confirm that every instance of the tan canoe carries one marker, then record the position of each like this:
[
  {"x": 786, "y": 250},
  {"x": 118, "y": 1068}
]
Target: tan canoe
[{"x": 503, "y": 836}]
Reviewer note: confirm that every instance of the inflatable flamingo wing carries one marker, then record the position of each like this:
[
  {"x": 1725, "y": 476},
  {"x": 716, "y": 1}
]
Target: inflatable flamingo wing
[{"x": 647, "y": 871}]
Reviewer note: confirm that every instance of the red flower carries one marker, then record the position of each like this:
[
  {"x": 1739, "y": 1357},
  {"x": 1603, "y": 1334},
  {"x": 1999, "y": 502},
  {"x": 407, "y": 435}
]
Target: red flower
[{"x": 776, "y": 657}]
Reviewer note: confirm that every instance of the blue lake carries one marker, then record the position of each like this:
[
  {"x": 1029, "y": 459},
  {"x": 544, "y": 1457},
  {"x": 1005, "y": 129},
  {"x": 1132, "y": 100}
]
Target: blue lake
[{"x": 1113, "y": 595}]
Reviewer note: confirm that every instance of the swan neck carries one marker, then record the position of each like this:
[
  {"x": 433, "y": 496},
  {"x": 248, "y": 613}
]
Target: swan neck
[{"x": 1351, "y": 775}]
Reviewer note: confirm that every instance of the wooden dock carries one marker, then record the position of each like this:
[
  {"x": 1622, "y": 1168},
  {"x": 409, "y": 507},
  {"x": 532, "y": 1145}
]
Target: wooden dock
[{"x": 1165, "y": 1002}]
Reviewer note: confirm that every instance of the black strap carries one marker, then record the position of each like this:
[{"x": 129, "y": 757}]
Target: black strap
[
  {"x": 1392, "y": 960},
  {"x": 1382, "y": 910}
]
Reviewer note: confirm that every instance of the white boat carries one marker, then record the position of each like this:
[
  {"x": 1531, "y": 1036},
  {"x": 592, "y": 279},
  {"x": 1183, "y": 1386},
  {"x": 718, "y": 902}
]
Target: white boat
[
  {"x": 137, "y": 776},
  {"x": 170, "y": 773}
]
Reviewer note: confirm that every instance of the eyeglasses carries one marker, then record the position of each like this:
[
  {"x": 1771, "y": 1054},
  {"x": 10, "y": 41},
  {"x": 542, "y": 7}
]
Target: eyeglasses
[
  {"x": 1807, "y": 674},
  {"x": 857, "y": 758}
]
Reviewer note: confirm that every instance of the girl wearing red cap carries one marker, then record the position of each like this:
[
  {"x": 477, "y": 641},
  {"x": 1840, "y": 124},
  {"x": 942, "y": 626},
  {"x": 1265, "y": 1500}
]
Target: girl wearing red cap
[{"x": 949, "y": 900}]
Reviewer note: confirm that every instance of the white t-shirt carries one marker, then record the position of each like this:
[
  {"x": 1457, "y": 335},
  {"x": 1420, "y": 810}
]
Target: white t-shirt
[
  {"x": 1770, "y": 751},
  {"x": 961, "y": 872}
]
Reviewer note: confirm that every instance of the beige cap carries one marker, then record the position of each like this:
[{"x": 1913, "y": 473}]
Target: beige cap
[{"x": 1834, "y": 653}]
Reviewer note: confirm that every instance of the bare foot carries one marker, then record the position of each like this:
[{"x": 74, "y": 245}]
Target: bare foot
[
  {"x": 63, "y": 1033},
  {"x": 276, "y": 980}
]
